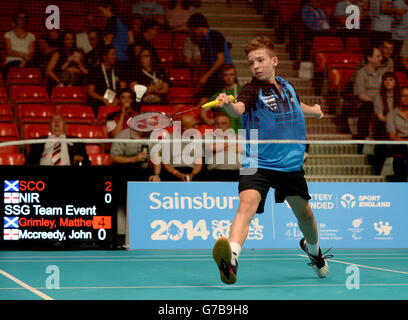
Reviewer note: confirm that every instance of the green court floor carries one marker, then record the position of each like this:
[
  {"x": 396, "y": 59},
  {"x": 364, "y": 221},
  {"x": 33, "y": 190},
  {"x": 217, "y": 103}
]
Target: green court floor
[{"x": 192, "y": 275}]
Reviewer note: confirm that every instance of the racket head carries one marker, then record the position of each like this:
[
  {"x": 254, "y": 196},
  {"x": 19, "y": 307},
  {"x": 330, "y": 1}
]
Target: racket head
[{"x": 150, "y": 121}]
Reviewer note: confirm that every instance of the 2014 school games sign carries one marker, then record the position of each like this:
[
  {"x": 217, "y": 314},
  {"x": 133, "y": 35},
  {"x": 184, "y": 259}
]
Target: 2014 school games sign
[{"x": 174, "y": 215}]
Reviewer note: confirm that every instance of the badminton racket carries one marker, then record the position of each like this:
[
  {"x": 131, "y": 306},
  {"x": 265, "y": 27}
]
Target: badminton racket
[{"x": 152, "y": 120}]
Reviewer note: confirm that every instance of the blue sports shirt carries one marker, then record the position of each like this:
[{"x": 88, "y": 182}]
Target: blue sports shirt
[{"x": 272, "y": 116}]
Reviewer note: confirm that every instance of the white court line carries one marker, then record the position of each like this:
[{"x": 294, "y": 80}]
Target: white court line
[
  {"x": 26, "y": 286},
  {"x": 225, "y": 286},
  {"x": 363, "y": 266}
]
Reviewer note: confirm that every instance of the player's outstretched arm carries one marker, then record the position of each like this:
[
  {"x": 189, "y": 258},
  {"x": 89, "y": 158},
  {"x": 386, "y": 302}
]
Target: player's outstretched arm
[
  {"x": 314, "y": 110},
  {"x": 233, "y": 109}
]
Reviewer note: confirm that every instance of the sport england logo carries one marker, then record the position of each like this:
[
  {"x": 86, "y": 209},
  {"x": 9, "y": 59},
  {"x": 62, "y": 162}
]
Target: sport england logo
[{"x": 348, "y": 201}]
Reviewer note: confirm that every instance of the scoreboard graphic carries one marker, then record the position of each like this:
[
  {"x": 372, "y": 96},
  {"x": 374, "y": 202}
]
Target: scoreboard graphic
[{"x": 57, "y": 211}]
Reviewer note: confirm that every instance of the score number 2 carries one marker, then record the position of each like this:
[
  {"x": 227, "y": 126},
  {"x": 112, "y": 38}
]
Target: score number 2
[{"x": 108, "y": 189}]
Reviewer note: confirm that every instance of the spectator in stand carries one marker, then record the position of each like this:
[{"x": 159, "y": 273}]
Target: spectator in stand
[
  {"x": 57, "y": 153},
  {"x": 177, "y": 165},
  {"x": 46, "y": 46},
  {"x": 231, "y": 87},
  {"x": 381, "y": 14},
  {"x": 177, "y": 15},
  {"x": 117, "y": 121},
  {"x": 397, "y": 127},
  {"x": 400, "y": 27},
  {"x": 92, "y": 57},
  {"x": 192, "y": 57},
  {"x": 150, "y": 9},
  {"x": 148, "y": 31},
  {"x": 367, "y": 85},
  {"x": 387, "y": 50},
  {"x": 152, "y": 76},
  {"x": 289, "y": 15},
  {"x": 404, "y": 56},
  {"x": 135, "y": 156},
  {"x": 103, "y": 82},
  {"x": 86, "y": 40},
  {"x": 134, "y": 29},
  {"x": 19, "y": 44},
  {"x": 116, "y": 34},
  {"x": 315, "y": 23},
  {"x": 341, "y": 16},
  {"x": 66, "y": 66},
  {"x": 385, "y": 102},
  {"x": 223, "y": 158},
  {"x": 215, "y": 53}
]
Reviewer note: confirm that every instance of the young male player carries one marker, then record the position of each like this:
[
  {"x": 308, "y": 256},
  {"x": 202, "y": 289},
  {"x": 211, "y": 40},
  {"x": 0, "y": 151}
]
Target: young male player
[{"x": 269, "y": 104}]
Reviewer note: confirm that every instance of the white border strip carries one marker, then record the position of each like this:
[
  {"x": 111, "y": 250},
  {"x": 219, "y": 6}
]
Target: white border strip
[{"x": 26, "y": 286}]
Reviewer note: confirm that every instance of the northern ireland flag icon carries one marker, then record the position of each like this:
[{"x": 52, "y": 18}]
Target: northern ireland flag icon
[
  {"x": 10, "y": 234},
  {"x": 11, "y": 197}
]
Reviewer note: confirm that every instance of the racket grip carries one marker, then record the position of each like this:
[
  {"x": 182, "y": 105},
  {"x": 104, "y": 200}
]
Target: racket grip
[{"x": 214, "y": 103}]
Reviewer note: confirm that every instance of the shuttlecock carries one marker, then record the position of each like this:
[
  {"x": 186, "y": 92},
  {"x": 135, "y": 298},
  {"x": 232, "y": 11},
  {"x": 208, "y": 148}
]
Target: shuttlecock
[{"x": 140, "y": 91}]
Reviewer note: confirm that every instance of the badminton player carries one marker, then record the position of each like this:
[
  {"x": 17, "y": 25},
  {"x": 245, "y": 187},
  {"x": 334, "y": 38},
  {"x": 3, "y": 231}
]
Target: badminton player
[{"x": 269, "y": 104}]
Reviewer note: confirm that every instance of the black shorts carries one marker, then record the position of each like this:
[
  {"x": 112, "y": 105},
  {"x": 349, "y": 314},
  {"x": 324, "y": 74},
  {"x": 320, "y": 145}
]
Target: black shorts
[{"x": 284, "y": 183}]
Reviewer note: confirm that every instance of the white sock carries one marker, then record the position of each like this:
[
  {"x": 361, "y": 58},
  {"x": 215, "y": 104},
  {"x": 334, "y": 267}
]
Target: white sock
[
  {"x": 236, "y": 250},
  {"x": 313, "y": 249}
]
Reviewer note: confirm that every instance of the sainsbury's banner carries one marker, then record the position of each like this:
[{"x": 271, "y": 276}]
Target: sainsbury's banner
[{"x": 175, "y": 215}]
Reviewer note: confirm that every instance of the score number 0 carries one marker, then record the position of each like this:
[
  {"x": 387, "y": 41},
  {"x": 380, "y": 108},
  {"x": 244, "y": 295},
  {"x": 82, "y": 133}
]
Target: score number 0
[{"x": 108, "y": 199}]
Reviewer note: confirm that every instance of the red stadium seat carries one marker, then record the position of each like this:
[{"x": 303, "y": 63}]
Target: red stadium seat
[
  {"x": 166, "y": 56},
  {"x": 180, "y": 77},
  {"x": 34, "y": 113},
  {"x": 162, "y": 41},
  {"x": 24, "y": 76},
  {"x": 184, "y": 95},
  {"x": 327, "y": 44},
  {"x": 8, "y": 149},
  {"x": 168, "y": 109},
  {"x": 353, "y": 45},
  {"x": 68, "y": 95},
  {"x": 339, "y": 77},
  {"x": 103, "y": 112},
  {"x": 35, "y": 131},
  {"x": 3, "y": 95},
  {"x": 93, "y": 148},
  {"x": 100, "y": 159},
  {"x": 84, "y": 131},
  {"x": 13, "y": 159},
  {"x": 6, "y": 115},
  {"x": 401, "y": 78},
  {"x": 9, "y": 130},
  {"x": 178, "y": 40},
  {"x": 343, "y": 60},
  {"x": 29, "y": 94},
  {"x": 76, "y": 113}
]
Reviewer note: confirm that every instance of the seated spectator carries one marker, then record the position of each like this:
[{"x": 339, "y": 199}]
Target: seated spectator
[
  {"x": 135, "y": 156},
  {"x": 177, "y": 15},
  {"x": 103, "y": 81},
  {"x": 67, "y": 66},
  {"x": 315, "y": 23},
  {"x": 223, "y": 158},
  {"x": 367, "y": 85},
  {"x": 175, "y": 164},
  {"x": 148, "y": 32},
  {"x": 231, "y": 87},
  {"x": 57, "y": 153},
  {"x": 215, "y": 53},
  {"x": 383, "y": 104},
  {"x": 116, "y": 34},
  {"x": 397, "y": 127},
  {"x": 150, "y": 9},
  {"x": 152, "y": 76},
  {"x": 46, "y": 46},
  {"x": 19, "y": 44},
  {"x": 117, "y": 121}
]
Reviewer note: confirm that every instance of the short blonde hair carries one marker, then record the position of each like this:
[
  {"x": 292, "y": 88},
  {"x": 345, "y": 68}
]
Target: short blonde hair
[{"x": 261, "y": 42}]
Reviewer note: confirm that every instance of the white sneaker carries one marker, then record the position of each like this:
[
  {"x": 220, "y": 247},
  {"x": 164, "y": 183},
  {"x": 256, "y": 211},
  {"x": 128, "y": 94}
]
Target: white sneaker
[{"x": 319, "y": 264}]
